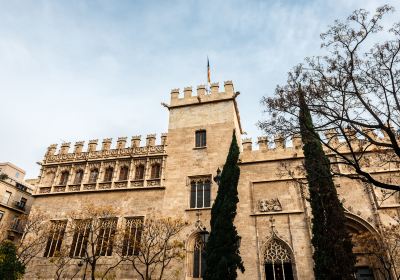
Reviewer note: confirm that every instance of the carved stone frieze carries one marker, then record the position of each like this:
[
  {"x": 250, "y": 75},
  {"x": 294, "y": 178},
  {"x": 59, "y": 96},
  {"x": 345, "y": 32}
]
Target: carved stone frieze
[
  {"x": 104, "y": 186},
  {"x": 137, "y": 183},
  {"x": 119, "y": 185},
  {"x": 74, "y": 188},
  {"x": 89, "y": 186},
  {"x": 153, "y": 182},
  {"x": 45, "y": 190},
  {"x": 269, "y": 205}
]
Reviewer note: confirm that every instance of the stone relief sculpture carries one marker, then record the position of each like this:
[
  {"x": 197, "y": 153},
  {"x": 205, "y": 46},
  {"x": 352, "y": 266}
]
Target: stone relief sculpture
[{"x": 268, "y": 205}]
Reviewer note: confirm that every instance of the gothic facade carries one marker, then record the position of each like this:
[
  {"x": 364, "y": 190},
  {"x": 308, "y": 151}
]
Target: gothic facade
[{"x": 173, "y": 177}]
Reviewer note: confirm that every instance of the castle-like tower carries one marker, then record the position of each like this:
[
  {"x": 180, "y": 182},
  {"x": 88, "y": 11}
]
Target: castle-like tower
[{"x": 172, "y": 177}]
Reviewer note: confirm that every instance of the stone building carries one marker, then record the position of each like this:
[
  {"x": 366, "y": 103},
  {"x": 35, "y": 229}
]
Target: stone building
[
  {"x": 173, "y": 176},
  {"x": 15, "y": 201}
]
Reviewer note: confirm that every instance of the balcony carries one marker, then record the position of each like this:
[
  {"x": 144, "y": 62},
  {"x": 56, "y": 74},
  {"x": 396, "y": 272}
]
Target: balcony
[{"x": 20, "y": 205}]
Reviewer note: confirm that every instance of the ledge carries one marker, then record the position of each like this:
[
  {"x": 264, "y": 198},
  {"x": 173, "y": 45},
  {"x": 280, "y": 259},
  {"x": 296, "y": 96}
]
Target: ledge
[
  {"x": 197, "y": 209},
  {"x": 104, "y": 190},
  {"x": 389, "y": 206},
  {"x": 277, "y": 213},
  {"x": 200, "y": 148}
]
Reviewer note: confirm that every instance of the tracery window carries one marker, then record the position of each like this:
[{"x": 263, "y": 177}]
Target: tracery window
[
  {"x": 64, "y": 178},
  {"x": 123, "y": 173},
  {"x": 200, "y": 193},
  {"x": 49, "y": 179},
  {"x": 155, "y": 171},
  {"x": 197, "y": 256},
  {"x": 80, "y": 238},
  {"x": 278, "y": 261},
  {"x": 55, "y": 238},
  {"x": 105, "y": 239},
  {"x": 139, "y": 172},
  {"x": 132, "y": 236},
  {"x": 94, "y": 173},
  {"x": 78, "y": 176},
  {"x": 108, "y": 174}
]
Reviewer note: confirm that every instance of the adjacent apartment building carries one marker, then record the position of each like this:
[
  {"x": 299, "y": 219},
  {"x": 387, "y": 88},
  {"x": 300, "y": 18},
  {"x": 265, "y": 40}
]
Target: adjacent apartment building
[
  {"x": 173, "y": 176},
  {"x": 15, "y": 201}
]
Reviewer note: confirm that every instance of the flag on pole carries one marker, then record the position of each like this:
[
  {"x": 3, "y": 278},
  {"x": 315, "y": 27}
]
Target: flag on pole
[{"x": 208, "y": 73}]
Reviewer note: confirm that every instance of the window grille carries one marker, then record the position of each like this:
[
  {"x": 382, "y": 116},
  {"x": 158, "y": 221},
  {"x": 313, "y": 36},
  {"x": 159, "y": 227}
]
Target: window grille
[
  {"x": 94, "y": 173},
  {"x": 278, "y": 262},
  {"x": 155, "y": 171},
  {"x": 64, "y": 178},
  {"x": 123, "y": 173},
  {"x": 200, "y": 193},
  {"x": 139, "y": 172},
  {"x": 108, "y": 174},
  {"x": 132, "y": 236},
  {"x": 105, "y": 239},
  {"x": 55, "y": 238},
  {"x": 78, "y": 176},
  {"x": 201, "y": 139},
  {"x": 80, "y": 238}
]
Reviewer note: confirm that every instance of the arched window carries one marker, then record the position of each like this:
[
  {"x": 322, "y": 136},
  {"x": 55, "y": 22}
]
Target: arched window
[
  {"x": 139, "y": 172},
  {"x": 78, "y": 176},
  {"x": 197, "y": 255},
  {"x": 64, "y": 178},
  {"x": 278, "y": 261},
  {"x": 108, "y": 175},
  {"x": 155, "y": 171},
  {"x": 123, "y": 173},
  {"x": 94, "y": 173},
  {"x": 49, "y": 179}
]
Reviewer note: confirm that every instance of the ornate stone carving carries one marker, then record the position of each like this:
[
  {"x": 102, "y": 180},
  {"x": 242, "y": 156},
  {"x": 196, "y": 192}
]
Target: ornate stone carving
[
  {"x": 89, "y": 186},
  {"x": 104, "y": 186},
  {"x": 59, "y": 189},
  {"x": 137, "y": 183},
  {"x": 269, "y": 205},
  {"x": 120, "y": 185},
  {"x": 74, "y": 188},
  {"x": 153, "y": 182},
  {"x": 44, "y": 190}
]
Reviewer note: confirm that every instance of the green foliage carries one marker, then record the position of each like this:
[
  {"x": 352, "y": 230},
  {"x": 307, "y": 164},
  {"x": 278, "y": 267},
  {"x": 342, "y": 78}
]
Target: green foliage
[
  {"x": 3, "y": 176},
  {"x": 10, "y": 267},
  {"x": 222, "y": 250},
  {"x": 332, "y": 255}
]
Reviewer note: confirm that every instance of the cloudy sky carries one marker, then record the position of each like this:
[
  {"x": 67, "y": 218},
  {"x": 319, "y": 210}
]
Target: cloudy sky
[{"x": 80, "y": 70}]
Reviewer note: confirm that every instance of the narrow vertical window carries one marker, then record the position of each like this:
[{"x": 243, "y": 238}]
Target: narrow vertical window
[
  {"x": 78, "y": 176},
  {"x": 199, "y": 256},
  {"x": 108, "y": 175},
  {"x": 132, "y": 236},
  {"x": 201, "y": 140},
  {"x": 105, "y": 240},
  {"x": 55, "y": 238},
  {"x": 155, "y": 171},
  {"x": 80, "y": 238},
  {"x": 94, "y": 173},
  {"x": 123, "y": 173},
  {"x": 64, "y": 178},
  {"x": 49, "y": 179},
  {"x": 139, "y": 172}
]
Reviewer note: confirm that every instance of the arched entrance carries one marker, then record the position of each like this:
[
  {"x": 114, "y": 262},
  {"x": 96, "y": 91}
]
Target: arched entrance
[{"x": 364, "y": 236}]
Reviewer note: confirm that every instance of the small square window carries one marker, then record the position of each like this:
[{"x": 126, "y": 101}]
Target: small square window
[{"x": 201, "y": 139}]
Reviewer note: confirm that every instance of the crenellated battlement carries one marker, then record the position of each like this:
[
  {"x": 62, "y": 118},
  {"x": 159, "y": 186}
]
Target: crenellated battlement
[
  {"x": 189, "y": 97},
  {"x": 281, "y": 148},
  {"x": 108, "y": 150}
]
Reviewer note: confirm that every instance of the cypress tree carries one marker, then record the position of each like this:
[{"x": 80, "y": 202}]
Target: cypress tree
[
  {"x": 222, "y": 249},
  {"x": 333, "y": 256}
]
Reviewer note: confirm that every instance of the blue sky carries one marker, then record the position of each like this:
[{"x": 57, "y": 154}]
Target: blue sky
[{"x": 80, "y": 70}]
